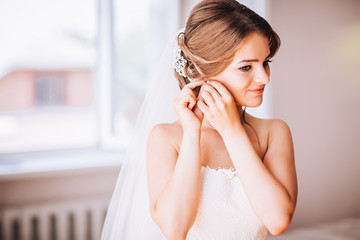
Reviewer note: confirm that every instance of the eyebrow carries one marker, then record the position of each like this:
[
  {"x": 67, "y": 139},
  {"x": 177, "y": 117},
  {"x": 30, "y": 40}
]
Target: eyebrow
[
  {"x": 249, "y": 60},
  {"x": 252, "y": 60}
]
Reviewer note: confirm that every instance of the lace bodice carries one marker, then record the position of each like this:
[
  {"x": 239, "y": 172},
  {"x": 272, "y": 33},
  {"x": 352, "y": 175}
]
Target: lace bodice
[{"x": 224, "y": 210}]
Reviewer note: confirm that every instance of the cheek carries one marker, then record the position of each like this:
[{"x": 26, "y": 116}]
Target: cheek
[
  {"x": 240, "y": 82},
  {"x": 234, "y": 82},
  {"x": 237, "y": 89}
]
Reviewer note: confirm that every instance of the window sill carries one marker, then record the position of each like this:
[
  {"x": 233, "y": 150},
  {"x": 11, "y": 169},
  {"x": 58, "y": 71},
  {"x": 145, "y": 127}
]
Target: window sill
[{"x": 50, "y": 163}]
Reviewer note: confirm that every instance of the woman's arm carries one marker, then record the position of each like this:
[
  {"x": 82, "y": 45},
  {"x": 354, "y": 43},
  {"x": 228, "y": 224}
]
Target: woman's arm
[
  {"x": 174, "y": 176},
  {"x": 173, "y": 181},
  {"x": 271, "y": 187}
]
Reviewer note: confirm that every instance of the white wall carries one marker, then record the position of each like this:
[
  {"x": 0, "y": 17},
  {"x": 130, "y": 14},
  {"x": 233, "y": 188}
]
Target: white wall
[
  {"x": 315, "y": 83},
  {"x": 52, "y": 186}
]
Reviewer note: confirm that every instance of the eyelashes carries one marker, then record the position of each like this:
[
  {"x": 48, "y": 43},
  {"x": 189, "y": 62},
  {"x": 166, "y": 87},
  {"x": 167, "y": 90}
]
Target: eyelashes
[
  {"x": 245, "y": 68},
  {"x": 266, "y": 63},
  {"x": 249, "y": 67}
]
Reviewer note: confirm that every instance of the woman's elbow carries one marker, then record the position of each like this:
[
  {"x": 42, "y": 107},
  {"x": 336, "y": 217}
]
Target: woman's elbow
[
  {"x": 280, "y": 225},
  {"x": 169, "y": 229},
  {"x": 173, "y": 234}
]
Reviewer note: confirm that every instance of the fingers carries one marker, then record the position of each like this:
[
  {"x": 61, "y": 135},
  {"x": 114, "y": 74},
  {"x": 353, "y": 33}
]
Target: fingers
[
  {"x": 207, "y": 97},
  {"x": 212, "y": 98},
  {"x": 188, "y": 96},
  {"x": 209, "y": 93},
  {"x": 194, "y": 84},
  {"x": 192, "y": 101},
  {"x": 203, "y": 107},
  {"x": 224, "y": 93},
  {"x": 186, "y": 99}
]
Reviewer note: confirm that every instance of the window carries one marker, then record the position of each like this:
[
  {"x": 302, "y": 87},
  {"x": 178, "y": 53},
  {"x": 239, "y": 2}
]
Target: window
[
  {"x": 74, "y": 73},
  {"x": 49, "y": 90},
  {"x": 46, "y": 74},
  {"x": 140, "y": 30}
]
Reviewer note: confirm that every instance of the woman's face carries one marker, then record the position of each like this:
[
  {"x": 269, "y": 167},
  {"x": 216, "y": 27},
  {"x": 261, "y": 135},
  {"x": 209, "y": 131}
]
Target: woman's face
[{"x": 248, "y": 72}]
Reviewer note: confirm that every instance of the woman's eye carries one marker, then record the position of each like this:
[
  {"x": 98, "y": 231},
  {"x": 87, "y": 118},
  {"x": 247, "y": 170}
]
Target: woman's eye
[
  {"x": 245, "y": 68},
  {"x": 266, "y": 63}
]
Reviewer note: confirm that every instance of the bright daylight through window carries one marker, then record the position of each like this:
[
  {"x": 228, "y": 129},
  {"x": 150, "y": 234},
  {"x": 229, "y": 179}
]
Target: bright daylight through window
[
  {"x": 46, "y": 74},
  {"x": 141, "y": 30},
  {"x": 51, "y": 70}
]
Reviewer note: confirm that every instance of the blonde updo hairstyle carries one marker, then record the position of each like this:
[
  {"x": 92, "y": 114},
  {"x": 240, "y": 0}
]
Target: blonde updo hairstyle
[{"x": 213, "y": 32}]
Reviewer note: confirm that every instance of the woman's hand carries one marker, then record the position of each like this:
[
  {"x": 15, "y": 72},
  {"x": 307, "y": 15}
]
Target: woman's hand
[
  {"x": 219, "y": 107},
  {"x": 185, "y": 106}
]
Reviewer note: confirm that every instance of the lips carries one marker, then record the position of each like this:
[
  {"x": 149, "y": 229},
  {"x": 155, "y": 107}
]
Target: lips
[{"x": 257, "y": 90}]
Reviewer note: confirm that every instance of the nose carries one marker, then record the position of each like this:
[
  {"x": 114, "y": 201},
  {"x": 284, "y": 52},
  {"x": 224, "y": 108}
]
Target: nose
[{"x": 262, "y": 76}]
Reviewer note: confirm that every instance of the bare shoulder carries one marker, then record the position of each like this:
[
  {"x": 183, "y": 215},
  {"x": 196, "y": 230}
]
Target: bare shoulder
[
  {"x": 272, "y": 133},
  {"x": 165, "y": 134},
  {"x": 278, "y": 128},
  {"x": 270, "y": 127},
  {"x": 166, "y": 131},
  {"x": 280, "y": 142}
]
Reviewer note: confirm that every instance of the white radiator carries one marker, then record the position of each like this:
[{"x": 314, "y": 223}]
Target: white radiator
[{"x": 66, "y": 220}]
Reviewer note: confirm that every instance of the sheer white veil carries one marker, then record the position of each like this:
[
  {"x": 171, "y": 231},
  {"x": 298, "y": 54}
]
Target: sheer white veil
[{"x": 128, "y": 215}]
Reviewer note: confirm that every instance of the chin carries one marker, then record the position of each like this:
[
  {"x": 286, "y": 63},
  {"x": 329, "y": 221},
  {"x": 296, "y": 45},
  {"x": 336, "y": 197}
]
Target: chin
[
  {"x": 250, "y": 103},
  {"x": 252, "y": 106}
]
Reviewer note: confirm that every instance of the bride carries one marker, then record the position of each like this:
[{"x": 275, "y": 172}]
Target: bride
[{"x": 216, "y": 172}]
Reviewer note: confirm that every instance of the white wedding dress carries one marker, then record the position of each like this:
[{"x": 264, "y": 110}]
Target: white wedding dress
[{"x": 224, "y": 210}]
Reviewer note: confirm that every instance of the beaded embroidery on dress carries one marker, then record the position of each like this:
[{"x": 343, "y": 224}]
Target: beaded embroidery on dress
[{"x": 224, "y": 210}]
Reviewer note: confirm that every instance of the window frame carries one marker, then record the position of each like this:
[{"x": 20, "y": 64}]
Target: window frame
[{"x": 104, "y": 76}]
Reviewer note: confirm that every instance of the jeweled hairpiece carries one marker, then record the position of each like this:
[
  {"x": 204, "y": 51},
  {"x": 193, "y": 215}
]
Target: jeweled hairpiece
[{"x": 180, "y": 62}]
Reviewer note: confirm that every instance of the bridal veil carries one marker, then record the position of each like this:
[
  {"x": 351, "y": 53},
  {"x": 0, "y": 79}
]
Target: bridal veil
[{"x": 128, "y": 215}]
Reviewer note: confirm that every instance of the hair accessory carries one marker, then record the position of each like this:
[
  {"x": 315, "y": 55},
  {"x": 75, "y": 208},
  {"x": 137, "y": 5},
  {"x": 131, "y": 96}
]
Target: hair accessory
[{"x": 180, "y": 62}]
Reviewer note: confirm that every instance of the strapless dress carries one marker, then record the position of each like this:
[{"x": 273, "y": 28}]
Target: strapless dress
[{"x": 224, "y": 210}]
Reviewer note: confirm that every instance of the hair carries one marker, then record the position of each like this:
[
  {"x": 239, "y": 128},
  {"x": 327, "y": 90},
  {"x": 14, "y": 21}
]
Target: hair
[{"x": 213, "y": 32}]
